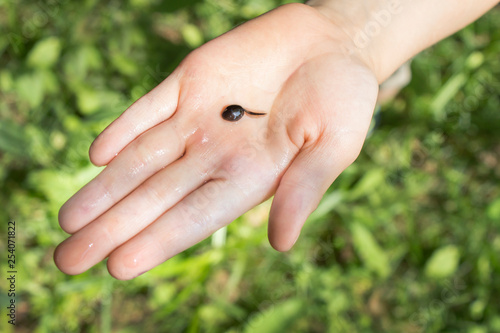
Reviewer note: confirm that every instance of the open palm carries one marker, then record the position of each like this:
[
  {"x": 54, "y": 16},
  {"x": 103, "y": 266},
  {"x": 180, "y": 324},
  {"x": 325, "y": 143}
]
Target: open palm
[{"x": 177, "y": 171}]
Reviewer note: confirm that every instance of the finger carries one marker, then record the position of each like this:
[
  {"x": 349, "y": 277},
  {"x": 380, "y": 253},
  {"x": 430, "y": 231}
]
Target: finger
[
  {"x": 94, "y": 242},
  {"x": 335, "y": 144},
  {"x": 156, "y": 106},
  {"x": 145, "y": 156},
  {"x": 200, "y": 214}
]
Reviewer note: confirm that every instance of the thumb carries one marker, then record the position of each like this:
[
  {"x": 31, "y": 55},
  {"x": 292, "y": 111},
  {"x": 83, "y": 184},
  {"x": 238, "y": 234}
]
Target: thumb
[
  {"x": 340, "y": 101},
  {"x": 305, "y": 182}
]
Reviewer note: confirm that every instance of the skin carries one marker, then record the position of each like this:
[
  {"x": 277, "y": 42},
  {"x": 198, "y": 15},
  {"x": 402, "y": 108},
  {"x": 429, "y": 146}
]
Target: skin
[{"x": 177, "y": 172}]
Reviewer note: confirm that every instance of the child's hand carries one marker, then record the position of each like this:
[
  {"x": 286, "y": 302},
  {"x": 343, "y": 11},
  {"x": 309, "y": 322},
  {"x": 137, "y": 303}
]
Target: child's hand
[{"x": 177, "y": 171}]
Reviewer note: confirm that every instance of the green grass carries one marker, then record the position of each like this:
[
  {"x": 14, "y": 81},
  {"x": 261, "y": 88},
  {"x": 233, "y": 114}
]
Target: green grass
[{"x": 406, "y": 240}]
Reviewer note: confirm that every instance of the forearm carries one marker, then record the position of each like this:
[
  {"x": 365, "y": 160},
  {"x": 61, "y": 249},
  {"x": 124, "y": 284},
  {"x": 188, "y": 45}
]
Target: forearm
[{"x": 386, "y": 33}]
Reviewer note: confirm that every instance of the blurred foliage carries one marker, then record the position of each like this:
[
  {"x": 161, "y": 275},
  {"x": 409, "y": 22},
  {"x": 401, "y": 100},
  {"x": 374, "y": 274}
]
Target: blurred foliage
[{"x": 406, "y": 240}]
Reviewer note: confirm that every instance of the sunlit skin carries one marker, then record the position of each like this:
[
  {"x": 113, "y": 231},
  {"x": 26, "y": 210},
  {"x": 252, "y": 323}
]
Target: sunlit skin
[{"x": 176, "y": 171}]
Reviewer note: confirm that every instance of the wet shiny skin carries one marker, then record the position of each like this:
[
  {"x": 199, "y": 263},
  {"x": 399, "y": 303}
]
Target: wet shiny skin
[{"x": 176, "y": 172}]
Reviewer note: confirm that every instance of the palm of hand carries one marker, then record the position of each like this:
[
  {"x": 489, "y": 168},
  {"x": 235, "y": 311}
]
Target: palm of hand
[{"x": 181, "y": 172}]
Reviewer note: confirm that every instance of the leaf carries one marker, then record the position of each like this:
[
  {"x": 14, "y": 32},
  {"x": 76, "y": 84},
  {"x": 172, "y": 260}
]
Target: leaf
[
  {"x": 255, "y": 8},
  {"x": 124, "y": 64},
  {"x": 192, "y": 35},
  {"x": 443, "y": 262},
  {"x": 276, "y": 318},
  {"x": 493, "y": 210},
  {"x": 6, "y": 81},
  {"x": 172, "y": 6},
  {"x": 58, "y": 186},
  {"x": 12, "y": 138},
  {"x": 446, "y": 94},
  {"x": 79, "y": 62},
  {"x": 45, "y": 53},
  {"x": 49, "y": 81},
  {"x": 29, "y": 87},
  {"x": 371, "y": 180},
  {"x": 329, "y": 202},
  {"x": 99, "y": 103},
  {"x": 88, "y": 100},
  {"x": 474, "y": 60},
  {"x": 372, "y": 255}
]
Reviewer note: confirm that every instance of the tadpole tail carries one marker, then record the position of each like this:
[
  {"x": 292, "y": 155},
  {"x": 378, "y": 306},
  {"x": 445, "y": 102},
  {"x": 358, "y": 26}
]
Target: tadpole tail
[{"x": 255, "y": 113}]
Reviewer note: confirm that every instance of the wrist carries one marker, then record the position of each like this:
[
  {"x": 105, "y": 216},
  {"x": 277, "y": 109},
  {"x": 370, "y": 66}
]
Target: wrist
[
  {"x": 386, "y": 33},
  {"x": 364, "y": 23}
]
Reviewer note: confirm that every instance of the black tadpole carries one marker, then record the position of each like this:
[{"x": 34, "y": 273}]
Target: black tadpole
[{"x": 235, "y": 112}]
